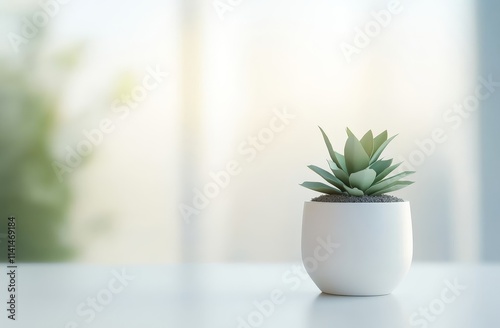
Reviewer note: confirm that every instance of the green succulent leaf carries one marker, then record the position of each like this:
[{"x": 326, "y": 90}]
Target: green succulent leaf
[
  {"x": 321, "y": 187},
  {"x": 354, "y": 191},
  {"x": 356, "y": 158},
  {"x": 327, "y": 176},
  {"x": 367, "y": 142},
  {"x": 395, "y": 186},
  {"x": 339, "y": 173},
  {"x": 362, "y": 179},
  {"x": 376, "y": 154},
  {"x": 359, "y": 171},
  {"x": 380, "y": 166},
  {"x": 387, "y": 182},
  {"x": 386, "y": 172},
  {"x": 349, "y": 133},
  {"x": 379, "y": 140},
  {"x": 332, "y": 165},
  {"x": 330, "y": 148},
  {"x": 341, "y": 162}
]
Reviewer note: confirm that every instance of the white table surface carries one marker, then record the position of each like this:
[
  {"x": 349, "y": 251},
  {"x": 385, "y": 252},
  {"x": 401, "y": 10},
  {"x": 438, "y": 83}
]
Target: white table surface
[{"x": 217, "y": 295}]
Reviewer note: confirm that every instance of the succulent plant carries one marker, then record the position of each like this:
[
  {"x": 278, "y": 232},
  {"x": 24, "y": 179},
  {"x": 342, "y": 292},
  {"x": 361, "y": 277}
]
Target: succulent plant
[{"x": 360, "y": 171}]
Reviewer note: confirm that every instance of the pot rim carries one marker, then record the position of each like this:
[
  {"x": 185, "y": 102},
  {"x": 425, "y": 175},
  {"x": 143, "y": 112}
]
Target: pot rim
[{"x": 352, "y": 203}]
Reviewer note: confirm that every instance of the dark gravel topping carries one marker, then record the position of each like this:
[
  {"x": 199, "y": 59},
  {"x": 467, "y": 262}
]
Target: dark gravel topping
[{"x": 357, "y": 199}]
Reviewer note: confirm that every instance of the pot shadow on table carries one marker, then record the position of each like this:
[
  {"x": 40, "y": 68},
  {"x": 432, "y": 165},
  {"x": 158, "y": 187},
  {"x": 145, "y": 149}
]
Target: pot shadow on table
[{"x": 355, "y": 311}]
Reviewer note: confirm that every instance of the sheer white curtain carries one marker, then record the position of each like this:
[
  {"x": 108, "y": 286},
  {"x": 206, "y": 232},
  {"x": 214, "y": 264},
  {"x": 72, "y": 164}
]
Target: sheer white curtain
[{"x": 265, "y": 57}]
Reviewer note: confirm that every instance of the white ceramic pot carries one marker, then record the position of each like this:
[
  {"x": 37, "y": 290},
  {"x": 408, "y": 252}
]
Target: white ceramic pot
[{"x": 359, "y": 249}]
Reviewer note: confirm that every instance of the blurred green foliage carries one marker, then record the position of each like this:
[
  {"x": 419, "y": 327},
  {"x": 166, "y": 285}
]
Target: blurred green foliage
[{"x": 29, "y": 189}]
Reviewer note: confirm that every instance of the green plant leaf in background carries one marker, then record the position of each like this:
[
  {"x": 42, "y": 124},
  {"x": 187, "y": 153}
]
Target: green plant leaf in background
[{"x": 30, "y": 190}]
